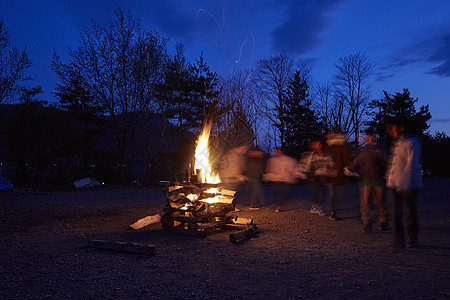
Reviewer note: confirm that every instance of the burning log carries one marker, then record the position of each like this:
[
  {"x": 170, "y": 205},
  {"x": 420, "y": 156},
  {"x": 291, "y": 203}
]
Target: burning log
[
  {"x": 234, "y": 237},
  {"x": 197, "y": 207}
]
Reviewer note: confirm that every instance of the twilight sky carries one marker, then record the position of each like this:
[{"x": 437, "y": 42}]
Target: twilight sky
[{"x": 407, "y": 40}]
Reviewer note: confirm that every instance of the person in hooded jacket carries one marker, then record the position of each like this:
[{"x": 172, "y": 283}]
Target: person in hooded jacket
[{"x": 404, "y": 179}]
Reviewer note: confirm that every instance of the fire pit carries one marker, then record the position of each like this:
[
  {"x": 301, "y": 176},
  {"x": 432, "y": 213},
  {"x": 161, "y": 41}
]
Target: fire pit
[
  {"x": 195, "y": 209},
  {"x": 200, "y": 204}
]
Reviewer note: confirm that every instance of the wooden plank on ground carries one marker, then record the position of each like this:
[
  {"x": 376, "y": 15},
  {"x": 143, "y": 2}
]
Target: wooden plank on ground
[
  {"x": 125, "y": 247},
  {"x": 234, "y": 237},
  {"x": 242, "y": 221},
  {"x": 146, "y": 221}
]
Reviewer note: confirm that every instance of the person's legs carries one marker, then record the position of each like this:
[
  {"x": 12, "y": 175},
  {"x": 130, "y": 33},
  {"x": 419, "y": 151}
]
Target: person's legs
[
  {"x": 412, "y": 219},
  {"x": 279, "y": 191},
  {"x": 379, "y": 194},
  {"x": 397, "y": 219},
  {"x": 316, "y": 194},
  {"x": 315, "y": 186},
  {"x": 333, "y": 195},
  {"x": 253, "y": 196},
  {"x": 366, "y": 208},
  {"x": 257, "y": 193}
]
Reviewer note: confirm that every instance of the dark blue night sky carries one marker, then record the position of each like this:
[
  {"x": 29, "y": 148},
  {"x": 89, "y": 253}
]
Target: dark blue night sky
[{"x": 409, "y": 41}]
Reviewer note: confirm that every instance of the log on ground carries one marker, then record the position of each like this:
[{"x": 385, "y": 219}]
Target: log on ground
[
  {"x": 125, "y": 247},
  {"x": 234, "y": 237},
  {"x": 146, "y": 221}
]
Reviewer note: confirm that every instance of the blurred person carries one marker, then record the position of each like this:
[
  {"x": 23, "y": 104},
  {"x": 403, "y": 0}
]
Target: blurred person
[
  {"x": 282, "y": 172},
  {"x": 371, "y": 164},
  {"x": 255, "y": 168},
  {"x": 232, "y": 174},
  {"x": 340, "y": 151},
  {"x": 404, "y": 179},
  {"x": 319, "y": 166}
]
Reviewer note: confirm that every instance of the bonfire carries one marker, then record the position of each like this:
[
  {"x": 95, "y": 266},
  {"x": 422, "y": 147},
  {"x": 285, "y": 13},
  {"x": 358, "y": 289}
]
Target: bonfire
[{"x": 200, "y": 204}]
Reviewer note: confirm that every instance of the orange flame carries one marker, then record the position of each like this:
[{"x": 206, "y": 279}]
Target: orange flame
[{"x": 202, "y": 157}]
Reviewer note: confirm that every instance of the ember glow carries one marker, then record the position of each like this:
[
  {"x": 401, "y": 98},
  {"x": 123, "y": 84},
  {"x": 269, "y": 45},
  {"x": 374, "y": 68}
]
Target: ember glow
[
  {"x": 202, "y": 157},
  {"x": 212, "y": 191},
  {"x": 192, "y": 197}
]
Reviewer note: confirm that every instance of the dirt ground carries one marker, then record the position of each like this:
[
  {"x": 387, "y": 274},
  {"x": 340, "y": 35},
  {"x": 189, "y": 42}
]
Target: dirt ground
[{"x": 44, "y": 253}]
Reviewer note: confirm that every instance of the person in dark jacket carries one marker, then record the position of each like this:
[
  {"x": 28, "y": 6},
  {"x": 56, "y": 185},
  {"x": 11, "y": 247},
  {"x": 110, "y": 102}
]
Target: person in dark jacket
[
  {"x": 341, "y": 152},
  {"x": 372, "y": 164},
  {"x": 255, "y": 168}
]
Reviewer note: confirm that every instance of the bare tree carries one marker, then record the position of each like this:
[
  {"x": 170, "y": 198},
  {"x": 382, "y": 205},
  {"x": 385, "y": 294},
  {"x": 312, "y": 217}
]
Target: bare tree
[
  {"x": 352, "y": 91},
  {"x": 333, "y": 111},
  {"x": 240, "y": 123},
  {"x": 13, "y": 65},
  {"x": 271, "y": 79},
  {"x": 119, "y": 66}
]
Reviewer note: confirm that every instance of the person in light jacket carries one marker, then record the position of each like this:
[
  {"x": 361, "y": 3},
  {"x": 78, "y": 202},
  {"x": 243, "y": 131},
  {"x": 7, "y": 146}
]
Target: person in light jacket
[
  {"x": 282, "y": 171},
  {"x": 404, "y": 179}
]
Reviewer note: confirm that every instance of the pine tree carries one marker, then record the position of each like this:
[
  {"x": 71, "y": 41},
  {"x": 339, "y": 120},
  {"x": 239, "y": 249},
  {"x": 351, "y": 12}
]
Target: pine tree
[{"x": 301, "y": 122}]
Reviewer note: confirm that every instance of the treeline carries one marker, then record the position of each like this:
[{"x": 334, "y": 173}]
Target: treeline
[{"x": 128, "y": 108}]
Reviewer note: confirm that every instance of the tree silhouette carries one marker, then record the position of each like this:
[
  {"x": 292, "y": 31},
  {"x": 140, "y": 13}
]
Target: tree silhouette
[
  {"x": 302, "y": 123},
  {"x": 120, "y": 67},
  {"x": 13, "y": 65},
  {"x": 352, "y": 90},
  {"x": 271, "y": 79},
  {"x": 399, "y": 105}
]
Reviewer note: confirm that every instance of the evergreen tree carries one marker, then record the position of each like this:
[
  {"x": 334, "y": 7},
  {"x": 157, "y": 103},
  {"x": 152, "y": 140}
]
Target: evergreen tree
[
  {"x": 188, "y": 91},
  {"x": 301, "y": 122},
  {"x": 204, "y": 92},
  {"x": 173, "y": 91},
  {"x": 399, "y": 105}
]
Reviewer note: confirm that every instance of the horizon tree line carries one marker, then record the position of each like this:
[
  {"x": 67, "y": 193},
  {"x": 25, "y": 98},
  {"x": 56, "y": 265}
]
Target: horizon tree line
[{"x": 123, "y": 74}]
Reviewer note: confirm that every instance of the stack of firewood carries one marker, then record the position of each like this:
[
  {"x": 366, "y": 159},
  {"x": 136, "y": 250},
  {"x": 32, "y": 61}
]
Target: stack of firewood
[{"x": 198, "y": 208}]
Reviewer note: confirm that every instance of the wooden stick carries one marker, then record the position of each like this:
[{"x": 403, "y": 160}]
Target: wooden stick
[
  {"x": 146, "y": 221},
  {"x": 126, "y": 247}
]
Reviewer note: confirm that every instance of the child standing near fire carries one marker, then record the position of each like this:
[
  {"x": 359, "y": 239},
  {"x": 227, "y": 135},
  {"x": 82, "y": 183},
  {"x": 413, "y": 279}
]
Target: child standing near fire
[{"x": 317, "y": 165}]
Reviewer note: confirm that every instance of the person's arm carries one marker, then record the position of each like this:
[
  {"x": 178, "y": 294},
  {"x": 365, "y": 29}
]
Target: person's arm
[
  {"x": 356, "y": 162},
  {"x": 412, "y": 157}
]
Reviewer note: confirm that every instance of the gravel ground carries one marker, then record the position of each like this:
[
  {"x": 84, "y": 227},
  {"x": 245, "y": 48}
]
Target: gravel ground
[{"x": 44, "y": 253}]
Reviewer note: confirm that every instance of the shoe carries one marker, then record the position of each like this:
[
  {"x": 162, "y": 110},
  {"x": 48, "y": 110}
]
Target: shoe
[
  {"x": 412, "y": 243},
  {"x": 321, "y": 212},
  {"x": 279, "y": 208},
  {"x": 254, "y": 208},
  {"x": 332, "y": 216},
  {"x": 367, "y": 228},
  {"x": 314, "y": 210},
  {"x": 383, "y": 226}
]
